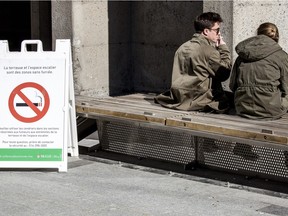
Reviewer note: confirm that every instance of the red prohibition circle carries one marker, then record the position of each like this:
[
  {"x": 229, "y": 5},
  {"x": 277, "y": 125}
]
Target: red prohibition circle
[{"x": 39, "y": 113}]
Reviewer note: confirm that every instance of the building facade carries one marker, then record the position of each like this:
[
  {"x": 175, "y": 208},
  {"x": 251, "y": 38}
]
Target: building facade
[{"x": 128, "y": 46}]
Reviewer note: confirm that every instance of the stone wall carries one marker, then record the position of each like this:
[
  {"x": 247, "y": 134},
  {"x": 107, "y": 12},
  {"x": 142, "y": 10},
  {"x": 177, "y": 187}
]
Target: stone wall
[
  {"x": 128, "y": 46},
  {"x": 248, "y": 15},
  {"x": 158, "y": 29}
]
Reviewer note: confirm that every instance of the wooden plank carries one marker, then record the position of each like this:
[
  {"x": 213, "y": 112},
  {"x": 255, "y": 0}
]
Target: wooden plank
[
  {"x": 148, "y": 106},
  {"x": 220, "y": 119},
  {"x": 102, "y": 107},
  {"x": 282, "y": 122},
  {"x": 141, "y": 107},
  {"x": 93, "y": 111},
  {"x": 128, "y": 108},
  {"x": 224, "y": 130},
  {"x": 276, "y": 124},
  {"x": 111, "y": 103}
]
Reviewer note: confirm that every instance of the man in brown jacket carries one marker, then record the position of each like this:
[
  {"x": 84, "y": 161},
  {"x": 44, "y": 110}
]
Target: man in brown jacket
[{"x": 200, "y": 65}]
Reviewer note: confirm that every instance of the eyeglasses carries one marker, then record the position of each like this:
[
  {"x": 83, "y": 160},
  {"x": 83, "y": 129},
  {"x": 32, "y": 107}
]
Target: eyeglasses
[{"x": 216, "y": 30}]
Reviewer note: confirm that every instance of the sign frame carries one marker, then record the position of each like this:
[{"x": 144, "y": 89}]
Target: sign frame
[{"x": 66, "y": 142}]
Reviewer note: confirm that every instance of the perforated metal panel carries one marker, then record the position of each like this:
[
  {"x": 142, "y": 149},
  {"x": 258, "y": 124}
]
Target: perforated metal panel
[
  {"x": 243, "y": 158},
  {"x": 147, "y": 142},
  {"x": 183, "y": 148}
]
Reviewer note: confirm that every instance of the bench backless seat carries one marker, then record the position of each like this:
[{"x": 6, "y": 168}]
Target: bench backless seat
[{"x": 135, "y": 125}]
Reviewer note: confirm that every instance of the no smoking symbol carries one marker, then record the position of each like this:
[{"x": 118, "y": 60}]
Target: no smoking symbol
[{"x": 39, "y": 109}]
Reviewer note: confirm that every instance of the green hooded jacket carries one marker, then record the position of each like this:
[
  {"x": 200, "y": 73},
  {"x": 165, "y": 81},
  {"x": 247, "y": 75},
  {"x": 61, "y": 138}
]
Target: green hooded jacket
[
  {"x": 196, "y": 63},
  {"x": 259, "y": 79}
]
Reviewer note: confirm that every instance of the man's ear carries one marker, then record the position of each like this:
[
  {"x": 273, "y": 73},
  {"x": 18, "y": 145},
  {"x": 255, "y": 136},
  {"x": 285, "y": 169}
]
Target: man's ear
[{"x": 205, "y": 31}]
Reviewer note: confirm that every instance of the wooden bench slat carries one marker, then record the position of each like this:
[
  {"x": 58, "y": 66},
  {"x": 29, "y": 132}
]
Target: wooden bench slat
[
  {"x": 101, "y": 107},
  {"x": 155, "y": 108},
  {"x": 141, "y": 107},
  {"x": 274, "y": 126},
  {"x": 140, "y": 104},
  {"x": 129, "y": 108},
  {"x": 110, "y": 103},
  {"x": 230, "y": 129},
  {"x": 119, "y": 113},
  {"x": 140, "y": 98}
]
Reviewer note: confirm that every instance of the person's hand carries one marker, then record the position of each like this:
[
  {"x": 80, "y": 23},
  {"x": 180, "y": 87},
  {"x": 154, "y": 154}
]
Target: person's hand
[{"x": 220, "y": 41}]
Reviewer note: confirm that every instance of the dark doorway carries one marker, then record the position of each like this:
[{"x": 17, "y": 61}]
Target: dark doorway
[{"x": 25, "y": 20}]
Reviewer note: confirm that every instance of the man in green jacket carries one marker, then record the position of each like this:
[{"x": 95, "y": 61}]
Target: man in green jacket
[{"x": 200, "y": 65}]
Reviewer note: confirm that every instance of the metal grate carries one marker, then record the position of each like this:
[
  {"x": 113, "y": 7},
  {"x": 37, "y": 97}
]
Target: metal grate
[
  {"x": 244, "y": 158},
  {"x": 147, "y": 142},
  {"x": 175, "y": 146}
]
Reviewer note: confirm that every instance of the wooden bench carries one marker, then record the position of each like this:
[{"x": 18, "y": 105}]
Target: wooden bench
[{"x": 135, "y": 125}]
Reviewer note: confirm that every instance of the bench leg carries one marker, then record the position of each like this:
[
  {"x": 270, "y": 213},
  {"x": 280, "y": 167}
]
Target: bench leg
[{"x": 193, "y": 164}]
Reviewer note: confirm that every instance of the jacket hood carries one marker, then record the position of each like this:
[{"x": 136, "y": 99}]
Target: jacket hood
[{"x": 256, "y": 48}]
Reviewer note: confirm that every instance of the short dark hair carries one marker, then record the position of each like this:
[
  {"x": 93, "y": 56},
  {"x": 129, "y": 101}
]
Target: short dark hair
[{"x": 206, "y": 20}]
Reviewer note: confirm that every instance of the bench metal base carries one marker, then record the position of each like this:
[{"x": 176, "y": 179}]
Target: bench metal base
[{"x": 184, "y": 147}]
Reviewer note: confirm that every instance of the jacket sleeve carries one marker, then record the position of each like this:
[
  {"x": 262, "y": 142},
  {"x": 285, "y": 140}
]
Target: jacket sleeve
[
  {"x": 284, "y": 77},
  {"x": 233, "y": 78},
  {"x": 220, "y": 62}
]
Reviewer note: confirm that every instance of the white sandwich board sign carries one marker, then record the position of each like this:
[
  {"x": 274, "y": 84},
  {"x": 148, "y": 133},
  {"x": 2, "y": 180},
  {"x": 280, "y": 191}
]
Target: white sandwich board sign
[{"x": 37, "y": 118}]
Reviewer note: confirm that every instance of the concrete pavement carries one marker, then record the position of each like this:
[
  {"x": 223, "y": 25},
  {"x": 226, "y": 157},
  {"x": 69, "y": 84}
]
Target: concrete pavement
[{"x": 95, "y": 185}]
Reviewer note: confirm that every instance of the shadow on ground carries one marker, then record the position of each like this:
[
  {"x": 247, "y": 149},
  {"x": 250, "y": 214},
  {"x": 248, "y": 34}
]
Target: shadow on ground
[{"x": 200, "y": 174}]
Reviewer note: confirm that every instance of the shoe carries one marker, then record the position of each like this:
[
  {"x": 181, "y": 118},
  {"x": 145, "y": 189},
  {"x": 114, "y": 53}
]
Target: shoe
[{"x": 245, "y": 151}]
